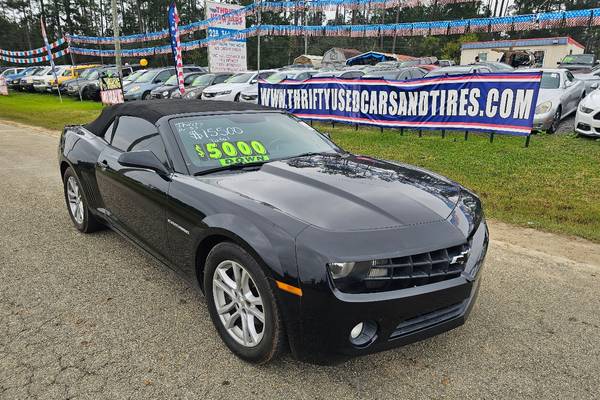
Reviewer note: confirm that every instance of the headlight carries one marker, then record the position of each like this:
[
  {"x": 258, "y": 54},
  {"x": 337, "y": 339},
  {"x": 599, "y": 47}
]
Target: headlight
[
  {"x": 134, "y": 89},
  {"x": 165, "y": 94},
  {"x": 222, "y": 93},
  {"x": 190, "y": 95},
  {"x": 470, "y": 206},
  {"x": 584, "y": 109},
  {"x": 543, "y": 108}
]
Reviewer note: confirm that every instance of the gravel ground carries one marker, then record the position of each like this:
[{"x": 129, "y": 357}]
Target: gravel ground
[{"x": 90, "y": 316}]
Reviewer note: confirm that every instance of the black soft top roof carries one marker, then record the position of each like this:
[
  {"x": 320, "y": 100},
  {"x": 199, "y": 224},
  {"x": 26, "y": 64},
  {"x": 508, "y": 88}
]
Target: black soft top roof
[{"x": 153, "y": 110}]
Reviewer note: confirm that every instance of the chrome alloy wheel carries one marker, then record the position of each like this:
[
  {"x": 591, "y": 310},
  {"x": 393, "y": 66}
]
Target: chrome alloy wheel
[
  {"x": 75, "y": 199},
  {"x": 238, "y": 303}
]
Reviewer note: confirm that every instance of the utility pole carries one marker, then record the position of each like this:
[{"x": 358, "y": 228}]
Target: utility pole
[
  {"x": 397, "y": 19},
  {"x": 259, "y": 22},
  {"x": 117, "y": 39}
]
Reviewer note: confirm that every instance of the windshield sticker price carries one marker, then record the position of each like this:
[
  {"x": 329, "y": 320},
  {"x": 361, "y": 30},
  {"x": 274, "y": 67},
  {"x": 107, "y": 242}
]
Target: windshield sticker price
[{"x": 229, "y": 153}]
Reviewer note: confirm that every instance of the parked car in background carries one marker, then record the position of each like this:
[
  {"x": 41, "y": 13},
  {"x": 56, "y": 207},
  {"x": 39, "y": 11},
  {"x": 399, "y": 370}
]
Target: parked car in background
[
  {"x": 128, "y": 80},
  {"x": 150, "y": 80},
  {"x": 26, "y": 82},
  {"x": 171, "y": 86},
  {"x": 495, "y": 66},
  {"x": 231, "y": 89},
  {"x": 10, "y": 71},
  {"x": 402, "y": 74},
  {"x": 71, "y": 87},
  {"x": 194, "y": 91},
  {"x": 43, "y": 83},
  {"x": 251, "y": 95},
  {"x": 591, "y": 79},
  {"x": 13, "y": 80},
  {"x": 68, "y": 74},
  {"x": 445, "y": 63},
  {"x": 587, "y": 118},
  {"x": 579, "y": 62},
  {"x": 559, "y": 96},
  {"x": 345, "y": 74},
  {"x": 90, "y": 88},
  {"x": 458, "y": 70}
]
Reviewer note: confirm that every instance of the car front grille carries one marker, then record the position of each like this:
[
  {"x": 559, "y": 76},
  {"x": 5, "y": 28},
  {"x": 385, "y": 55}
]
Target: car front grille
[
  {"x": 208, "y": 95},
  {"x": 418, "y": 269},
  {"x": 583, "y": 127},
  {"x": 428, "y": 320}
]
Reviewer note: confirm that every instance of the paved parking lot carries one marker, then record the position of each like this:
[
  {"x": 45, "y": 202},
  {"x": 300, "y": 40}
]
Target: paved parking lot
[{"x": 90, "y": 316}]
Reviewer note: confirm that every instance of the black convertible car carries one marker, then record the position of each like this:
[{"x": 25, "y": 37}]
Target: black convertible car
[{"x": 292, "y": 240}]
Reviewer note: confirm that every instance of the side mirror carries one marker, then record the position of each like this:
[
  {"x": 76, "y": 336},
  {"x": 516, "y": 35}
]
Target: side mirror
[
  {"x": 143, "y": 159},
  {"x": 254, "y": 81},
  {"x": 558, "y": 63}
]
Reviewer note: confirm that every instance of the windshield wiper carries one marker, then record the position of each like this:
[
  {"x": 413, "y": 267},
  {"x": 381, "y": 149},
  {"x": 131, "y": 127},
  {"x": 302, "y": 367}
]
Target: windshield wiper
[
  {"x": 231, "y": 167},
  {"x": 318, "y": 153}
]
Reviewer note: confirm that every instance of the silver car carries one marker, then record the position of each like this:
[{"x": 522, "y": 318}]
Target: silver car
[{"x": 559, "y": 96}]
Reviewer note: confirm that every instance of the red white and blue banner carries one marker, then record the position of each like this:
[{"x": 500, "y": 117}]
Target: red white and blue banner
[
  {"x": 48, "y": 50},
  {"x": 495, "y": 102},
  {"x": 176, "y": 45}
]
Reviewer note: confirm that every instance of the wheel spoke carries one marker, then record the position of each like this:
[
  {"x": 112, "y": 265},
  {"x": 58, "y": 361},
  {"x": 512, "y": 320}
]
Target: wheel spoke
[
  {"x": 245, "y": 330},
  {"x": 227, "y": 280},
  {"x": 232, "y": 318},
  {"x": 256, "y": 313},
  {"x": 244, "y": 279},
  {"x": 226, "y": 308},
  {"x": 225, "y": 288},
  {"x": 252, "y": 330}
]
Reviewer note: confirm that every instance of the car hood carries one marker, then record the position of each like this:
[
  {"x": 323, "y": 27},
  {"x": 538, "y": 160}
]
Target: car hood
[
  {"x": 162, "y": 88},
  {"x": 222, "y": 87},
  {"x": 545, "y": 95},
  {"x": 251, "y": 91},
  {"x": 592, "y": 100},
  {"x": 347, "y": 193}
]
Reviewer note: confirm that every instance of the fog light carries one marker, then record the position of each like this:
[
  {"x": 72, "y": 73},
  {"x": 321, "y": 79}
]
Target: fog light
[
  {"x": 356, "y": 331},
  {"x": 363, "y": 334}
]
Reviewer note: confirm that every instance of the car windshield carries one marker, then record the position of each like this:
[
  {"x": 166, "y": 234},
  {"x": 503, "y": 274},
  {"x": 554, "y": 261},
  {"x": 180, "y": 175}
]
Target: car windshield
[
  {"x": 279, "y": 76},
  {"x": 67, "y": 72},
  {"x": 134, "y": 76},
  {"x": 579, "y": 59},
  {"x": 216, "y": 141},
  {"x": 86, "y": 73},
  {"x": 146, "y": 77},
  {"x": 240, "y": 78},
  {"x": 550, "y": 80},
  {"x": 203, "y": 80}
]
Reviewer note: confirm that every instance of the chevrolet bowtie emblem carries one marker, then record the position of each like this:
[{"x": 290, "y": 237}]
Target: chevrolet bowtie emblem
[{"x": 461, "y": 258}]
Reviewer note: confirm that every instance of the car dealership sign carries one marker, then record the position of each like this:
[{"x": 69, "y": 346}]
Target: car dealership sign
[
  {"x": 230, "y": 55},
  {"x": 111, "y": 90},
  {"x": 496, "y": 102}
]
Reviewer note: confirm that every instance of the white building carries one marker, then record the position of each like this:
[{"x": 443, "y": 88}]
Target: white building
[{"x": 547, "y": 51}]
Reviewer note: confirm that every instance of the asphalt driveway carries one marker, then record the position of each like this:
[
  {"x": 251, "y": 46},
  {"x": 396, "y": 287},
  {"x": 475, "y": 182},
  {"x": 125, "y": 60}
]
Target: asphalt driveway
[{"x": 90, "y": 316}]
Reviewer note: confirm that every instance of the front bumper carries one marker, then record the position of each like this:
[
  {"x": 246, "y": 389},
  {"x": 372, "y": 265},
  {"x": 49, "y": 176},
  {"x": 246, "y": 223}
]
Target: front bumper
[
  {"x": 322, "y": 334},
  {"x": 133, "y": 96},
  {"x": 588, "y": 124},
  {"x": 542, "y": 122}
]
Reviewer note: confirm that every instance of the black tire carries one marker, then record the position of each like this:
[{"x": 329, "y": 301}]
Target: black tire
[
  {"x": 273, "y": 341},
  {"x": 89, "y": 223},
  {"x": 237, "y": 97},
  {"x": 146, "y": 96},
  {"x": 555, "y": 121}
]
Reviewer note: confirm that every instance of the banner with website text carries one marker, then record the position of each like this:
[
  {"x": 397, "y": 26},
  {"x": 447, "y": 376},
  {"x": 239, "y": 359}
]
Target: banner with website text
[{"x": 495, "y": 102}]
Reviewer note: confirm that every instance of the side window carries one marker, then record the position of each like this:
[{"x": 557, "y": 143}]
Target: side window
[
  {"x": 138, "y": 134},
  {"x": 108, "y": 133},
  {"x": 163, "y": 76},
  {"x": 220, "y": 79},
  {"x": 570, "y": 76}
]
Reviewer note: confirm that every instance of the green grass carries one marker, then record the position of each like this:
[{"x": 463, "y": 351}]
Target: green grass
[
  {"x": 553, "y": 185},
  {"x": 46, "y": 110}
]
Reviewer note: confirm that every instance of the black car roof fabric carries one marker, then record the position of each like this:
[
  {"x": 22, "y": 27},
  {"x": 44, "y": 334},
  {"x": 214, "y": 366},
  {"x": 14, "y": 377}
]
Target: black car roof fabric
[{"x": 153, "y": 110}]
